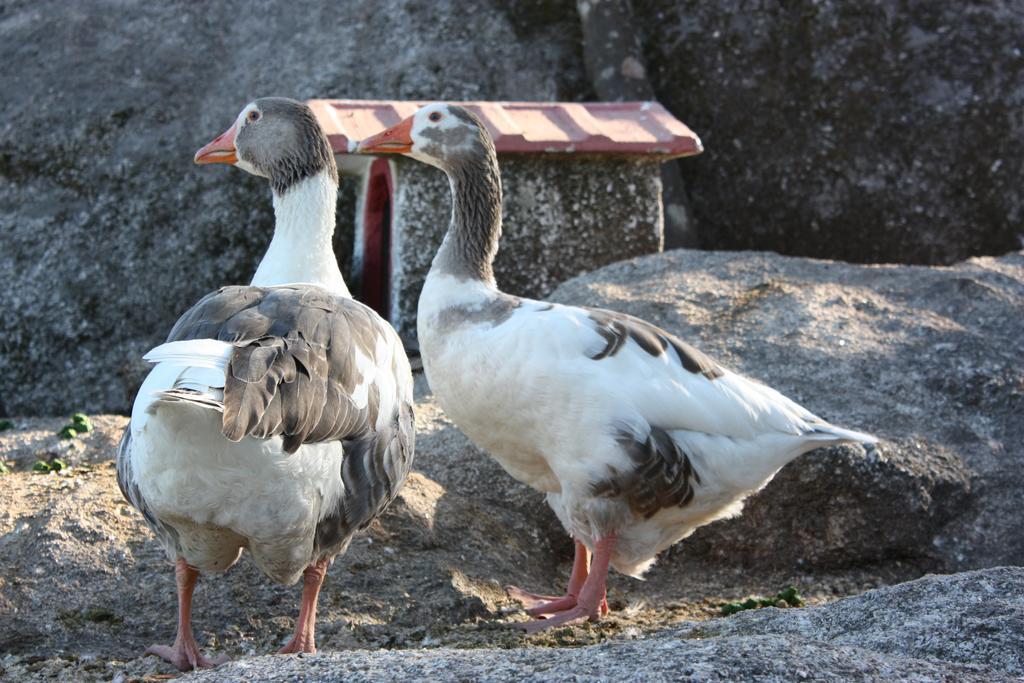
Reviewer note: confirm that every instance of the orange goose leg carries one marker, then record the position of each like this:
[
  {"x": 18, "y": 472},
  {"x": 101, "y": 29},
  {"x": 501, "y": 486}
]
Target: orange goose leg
[
  {"x": 185, "y": 653},
  {"x": 538, "y": 605},
  {"x": 303, "y": 640},
  {"x": 591, "y": 602}
]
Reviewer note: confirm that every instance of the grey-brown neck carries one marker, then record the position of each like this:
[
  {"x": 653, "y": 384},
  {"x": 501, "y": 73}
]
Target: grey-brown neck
[{"x": 469, "y": 247}]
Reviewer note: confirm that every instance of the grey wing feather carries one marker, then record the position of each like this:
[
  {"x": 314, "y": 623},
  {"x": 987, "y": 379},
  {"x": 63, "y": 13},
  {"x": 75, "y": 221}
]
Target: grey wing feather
[
  {"x": 373, "y": 471},
  {"x": 616, "y": 328},
  {"x": 662, "y": 475},
  {"x": 294, "y": 364},
  {"x": 292, "y": 374}
]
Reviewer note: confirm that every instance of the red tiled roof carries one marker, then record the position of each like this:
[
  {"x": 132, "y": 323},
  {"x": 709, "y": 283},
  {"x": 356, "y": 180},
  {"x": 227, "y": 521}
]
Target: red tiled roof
[{"x": 627, "y": 128}]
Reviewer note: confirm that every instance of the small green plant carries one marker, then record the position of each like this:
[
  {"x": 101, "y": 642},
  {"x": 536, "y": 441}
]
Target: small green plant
[
  {"x": 43, "y": 467},
  {"x": 4, "y": 469},
  {"x": 787, "y": 597},
  {"x": 5, "y": 425},
  {"x": 791, "y": 597},
  {"x": 80, "y": 424}
]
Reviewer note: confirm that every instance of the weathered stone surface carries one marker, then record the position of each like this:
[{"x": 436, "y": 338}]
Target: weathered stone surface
[
  {"x": 969, "y": 618},
  {"x": 108, "y": 231},
  {"x": 832, "y": 130},
  {"x": 86, "y": 588},
  {"x": 881, "y": 133},
  {"x": 964, "y": 627},
  {"x": 884, "y": 132},
  {"x": 560, "y": 219},
  {"x": 416, "y": 598},
  {"x": 615, "y": 64},
  {"x": 928, "y": 359}
]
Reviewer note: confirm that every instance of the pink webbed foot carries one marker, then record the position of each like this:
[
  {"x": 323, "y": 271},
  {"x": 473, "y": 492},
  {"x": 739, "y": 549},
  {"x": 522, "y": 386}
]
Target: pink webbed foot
[
  {"x": 572, "y": 611},
  {"x": 592, "y": 602},
  {"x": 527, "y": 598},
  {"x": 538, "y": 605},
  {"x": 299, "y": 644},
  {"x": 185, "y": 655},
  {"x": 569, "y": 616}
]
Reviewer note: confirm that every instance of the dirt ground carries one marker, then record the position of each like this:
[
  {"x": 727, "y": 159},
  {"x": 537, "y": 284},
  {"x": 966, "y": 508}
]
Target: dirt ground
[{"x": 85, "y": 587}]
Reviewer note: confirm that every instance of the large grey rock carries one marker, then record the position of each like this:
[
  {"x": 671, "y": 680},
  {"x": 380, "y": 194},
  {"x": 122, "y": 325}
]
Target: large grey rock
[
  {"x": 928, "y": 359},
  {"x": 881, "y": 132},
  {"x": 965, "y": 627},
  {"x": 969, "y": 618},
  {"x": 832, "y": 130},
  {"x": 108, "y": 231}
]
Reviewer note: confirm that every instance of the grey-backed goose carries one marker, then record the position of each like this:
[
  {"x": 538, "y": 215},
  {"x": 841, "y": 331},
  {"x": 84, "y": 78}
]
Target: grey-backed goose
[
  {"x": 278, "y": 416},
  {"x": 635, "y": 437}
]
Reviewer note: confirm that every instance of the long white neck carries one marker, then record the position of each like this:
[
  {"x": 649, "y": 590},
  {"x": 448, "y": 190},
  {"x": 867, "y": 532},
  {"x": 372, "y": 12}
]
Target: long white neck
[{"x": 301, "y": 251}]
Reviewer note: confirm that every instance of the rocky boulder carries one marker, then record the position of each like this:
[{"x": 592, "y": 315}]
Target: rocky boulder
[
  {"x": 109, "y": 231},
  {"x": 831, "y": 130},
  {"x": 928, "y": 359},
  {"x": 888, "y": 132},
  {"x": 925, "y": 357},
  {"x": 964, "y": 627}
]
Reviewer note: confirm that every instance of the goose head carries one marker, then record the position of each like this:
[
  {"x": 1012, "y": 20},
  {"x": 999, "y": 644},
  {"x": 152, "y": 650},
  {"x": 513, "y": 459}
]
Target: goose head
[
  {"x": 443, "y": 135},
  {"x": 275, "y": 138}
]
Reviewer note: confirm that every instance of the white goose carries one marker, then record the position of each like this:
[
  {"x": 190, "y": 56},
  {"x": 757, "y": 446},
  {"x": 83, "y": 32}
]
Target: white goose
[
  {"x": 636, "y": 437},
  {"x": 278, "y": 416}
]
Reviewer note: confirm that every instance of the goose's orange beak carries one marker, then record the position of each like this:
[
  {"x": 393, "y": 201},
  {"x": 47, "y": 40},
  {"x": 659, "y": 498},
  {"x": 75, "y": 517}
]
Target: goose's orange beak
[
  {"x": 395, "y": 140},
  {"x": 221, "y": 150}
]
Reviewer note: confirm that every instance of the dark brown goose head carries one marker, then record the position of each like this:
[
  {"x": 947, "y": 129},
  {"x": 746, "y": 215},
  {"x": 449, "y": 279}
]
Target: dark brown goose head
[{"x": 276, "y": 138}]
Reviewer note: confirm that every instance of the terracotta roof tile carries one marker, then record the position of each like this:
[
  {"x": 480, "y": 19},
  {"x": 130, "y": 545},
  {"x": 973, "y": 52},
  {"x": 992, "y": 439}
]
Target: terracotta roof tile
[{"x": 629, "y": 128}]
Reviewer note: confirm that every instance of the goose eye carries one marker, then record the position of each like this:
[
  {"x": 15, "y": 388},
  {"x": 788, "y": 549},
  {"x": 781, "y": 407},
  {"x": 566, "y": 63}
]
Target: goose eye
[
  {"x": 253, "y": 116},
  {"x": 435, "y": 116}
]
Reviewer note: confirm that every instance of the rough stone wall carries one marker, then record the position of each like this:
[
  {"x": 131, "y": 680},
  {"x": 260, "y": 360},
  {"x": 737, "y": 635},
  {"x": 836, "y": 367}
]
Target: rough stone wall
[
  {"x": 108, "y": 231},
  {"x": 862, "y": 131},
  {"x": 560, "y": 219},
  {"x": 874, "y": 132}
]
